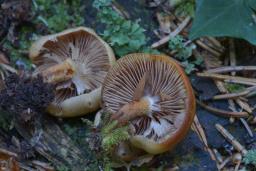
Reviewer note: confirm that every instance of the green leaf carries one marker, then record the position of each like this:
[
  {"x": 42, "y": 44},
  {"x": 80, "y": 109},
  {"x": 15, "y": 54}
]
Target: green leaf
[{"x": 233, "y": 18}]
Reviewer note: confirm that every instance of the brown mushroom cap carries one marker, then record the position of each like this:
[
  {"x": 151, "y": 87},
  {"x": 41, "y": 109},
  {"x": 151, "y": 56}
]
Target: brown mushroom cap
[
  {"x": 168, "y": 92},
  {"x": 76, "y": 61}
]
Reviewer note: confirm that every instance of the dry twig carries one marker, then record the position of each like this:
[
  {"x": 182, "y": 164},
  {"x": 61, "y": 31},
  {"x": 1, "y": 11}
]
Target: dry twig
[
  {"x": 172, "y": 34},
  {"x": 221, "y": 112},
  {"x": 229, "y": 137},
  {"x": 226, "y": 69},
  {"x": 200, "y": 132},
  {"x": 247, "y": 127},
  {"x": 228, "y": 78},
  {"x": 232, "y": 55},
  {"x": 204, "y": 46},
  {"x": 230, "y": 95}
]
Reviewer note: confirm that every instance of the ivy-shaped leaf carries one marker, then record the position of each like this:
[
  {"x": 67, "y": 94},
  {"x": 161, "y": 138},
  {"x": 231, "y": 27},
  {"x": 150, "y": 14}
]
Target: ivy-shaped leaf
[{"x": 233, "y": 18}]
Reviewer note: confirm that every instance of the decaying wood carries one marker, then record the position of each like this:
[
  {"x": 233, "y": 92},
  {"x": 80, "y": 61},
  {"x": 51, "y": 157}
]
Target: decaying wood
[
  {"x": 229, "y": 137},
  {"x": 53, "y": 144},
  {"x": 221, "y": 112},
  {"x": 172, "y": 34}
]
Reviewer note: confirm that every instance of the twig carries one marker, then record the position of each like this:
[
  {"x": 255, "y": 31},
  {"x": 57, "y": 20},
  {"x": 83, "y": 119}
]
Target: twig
[
  {"x": 42, "y": 165},
  {"x": 240, "y": 82},
  {"x": 244, "y": 105},
  {"x": 211, "y": 45},
  {"x": 221, "y": 112},
  {"x": 230, "y": 95},
  {"x": 223, "y": 89},
  {"x": 216, "y": 43},
  {"x": 232, "y": 55},
  {"x": 201, "y": 44},
  {"x": 218, "y": 156},
  {"x": 8, "y": 68},
  {"x": 200, "y": 132},
  {"x": 120, "y": 10},
  {"x": 8, "y": 153},
  {"x": 247, "y": 127},
  {"x": 228, "y": 159},
  {"x": 226, "y": 77},
  {"x": 226, "y": 69},
  {"x": 229, "y": 137},
  {"x": 172, "y": 34}
]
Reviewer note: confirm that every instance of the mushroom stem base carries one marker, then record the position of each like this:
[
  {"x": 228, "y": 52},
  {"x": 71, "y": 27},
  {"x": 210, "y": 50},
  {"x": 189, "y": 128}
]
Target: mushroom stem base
[{"x": 132, "y": 110}]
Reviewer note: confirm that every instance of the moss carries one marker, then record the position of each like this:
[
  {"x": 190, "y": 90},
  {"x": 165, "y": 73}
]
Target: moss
[
  {"x": 234, "y": 88},
  {"x": 55, "y": 16},
  {"x": 59, "y": 14}
]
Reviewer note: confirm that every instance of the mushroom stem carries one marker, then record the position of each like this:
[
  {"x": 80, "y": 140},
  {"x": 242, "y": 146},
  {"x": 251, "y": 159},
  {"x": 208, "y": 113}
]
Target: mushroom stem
[
  {"x": 60, "y": 72},
  {"x": 132, "y": 110}
]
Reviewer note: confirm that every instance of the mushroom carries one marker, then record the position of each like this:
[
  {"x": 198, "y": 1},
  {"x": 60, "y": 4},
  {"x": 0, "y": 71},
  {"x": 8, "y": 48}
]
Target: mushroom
[
  {"x": 76, "y": 61},
  {"x": 152, "y": 94}
]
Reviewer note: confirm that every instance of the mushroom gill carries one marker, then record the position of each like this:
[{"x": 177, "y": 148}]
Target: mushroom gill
[
  {"x": 76, "y": 61},
  {"x": 153, "y": 95}
]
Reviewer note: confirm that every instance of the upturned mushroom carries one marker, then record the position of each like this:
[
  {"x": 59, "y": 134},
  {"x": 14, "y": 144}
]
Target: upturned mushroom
[
  {"x": 76, "y": 61},
  {"x": 152, "y": 94}
]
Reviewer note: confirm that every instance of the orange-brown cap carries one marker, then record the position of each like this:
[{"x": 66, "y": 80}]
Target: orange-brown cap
[
  {"x": 76, "y": 61},
  {"x": 171, "y": 102}
]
